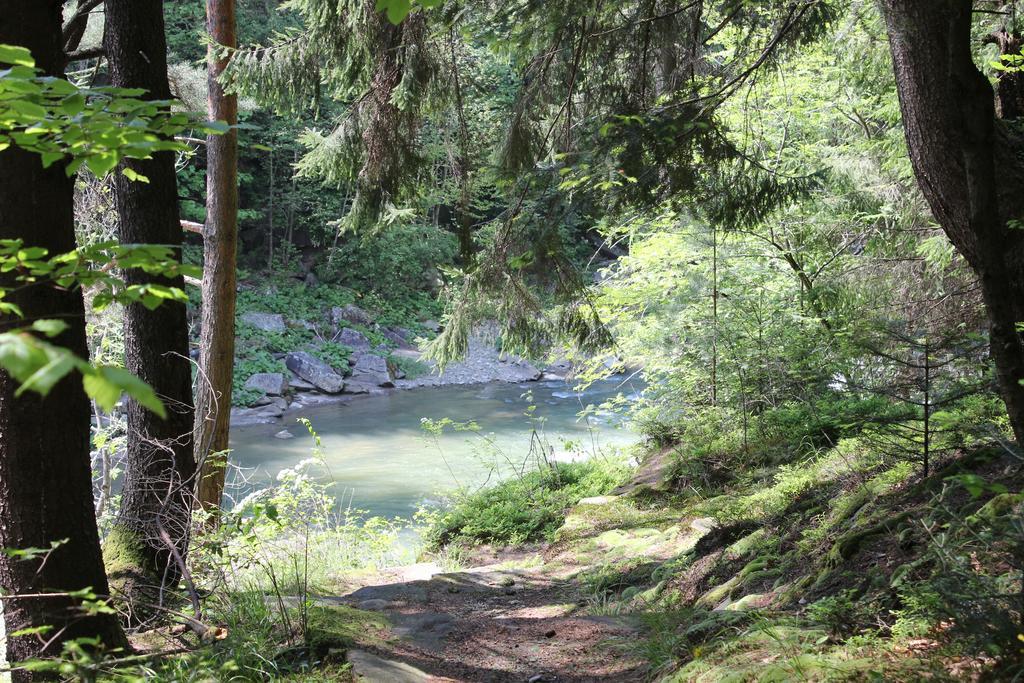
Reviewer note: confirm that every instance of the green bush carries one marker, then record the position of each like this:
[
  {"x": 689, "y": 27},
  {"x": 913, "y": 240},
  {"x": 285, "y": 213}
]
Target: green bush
[{"x": 530, "y": 507}]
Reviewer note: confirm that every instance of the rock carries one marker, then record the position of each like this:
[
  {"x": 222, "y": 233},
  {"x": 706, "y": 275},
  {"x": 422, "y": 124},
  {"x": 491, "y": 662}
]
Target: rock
[
  {"x": 316, "y": 372},
  {"x": 357, "y": 388},
  {"x": 400, "y": 337},
  {"x": 284, "y": 434},
  {"x": 268, "y": 322},
  {"x": 270, "y": 383},
  {"x": 371, "y": 370},
  {"x": 300, "y": 384},
  {"x": 370, "y": 668},
  {"x": 374, "y": 605},
  {"x": 423, "y": 629},
  {"x": 311, "y": 280},
  {"x": 350, "y": 314},
  {"x": 431, "y": 325},
  {"x": 244, "y": 417},
  {"x": 354, "y": 339},
  {"x": 704, "y": 524},
  {"x": 599, "y": 500}
]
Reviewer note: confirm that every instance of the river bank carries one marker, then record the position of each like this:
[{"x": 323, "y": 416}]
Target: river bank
[{"x": 310, "y": 381}]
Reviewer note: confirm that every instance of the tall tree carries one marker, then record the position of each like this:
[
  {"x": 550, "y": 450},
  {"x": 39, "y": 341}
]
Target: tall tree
[
  {"x": 220, "y": 237},
  {"x": 45, "y": 479},
  {"x": 151, "y": 536},
  {"x": 968, "y": 163}
]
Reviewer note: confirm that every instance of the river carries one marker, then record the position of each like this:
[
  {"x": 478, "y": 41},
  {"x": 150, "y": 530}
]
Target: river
[{"x": 382, "y": 461}]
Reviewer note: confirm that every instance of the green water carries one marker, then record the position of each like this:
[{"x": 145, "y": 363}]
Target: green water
[{"x": 381, "y": 460}]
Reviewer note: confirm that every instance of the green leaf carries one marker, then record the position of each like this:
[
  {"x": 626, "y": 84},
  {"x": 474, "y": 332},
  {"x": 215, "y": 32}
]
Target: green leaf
[
  {"x": 106, "y": 383},
  {"x": 396, "y": 10},
  {"x": 18, "y": 56},
  {"x": 51, "y": 328},
  {"x": 101, "y": 164},
  {"x": 43, "y": 380},
  {"x": 134, "y": 176}
]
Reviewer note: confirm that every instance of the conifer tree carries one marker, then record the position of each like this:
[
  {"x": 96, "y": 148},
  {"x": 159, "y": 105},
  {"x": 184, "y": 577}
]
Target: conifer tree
[
  {"x": 45, "y": 479},
  {"x": 150, "y": 540}
]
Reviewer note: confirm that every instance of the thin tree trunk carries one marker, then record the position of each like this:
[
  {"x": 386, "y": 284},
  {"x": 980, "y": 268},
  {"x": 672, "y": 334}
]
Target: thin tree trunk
[
  {"x": 153, "y": 524},
  {"x": 220, "y": 237},
  {"x": 45, "y": 478},
  {"x": 968, "y": 165}
]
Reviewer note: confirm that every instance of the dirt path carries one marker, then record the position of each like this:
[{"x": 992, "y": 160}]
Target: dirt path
[
  {"x": 523, "y": 615},
  {"x": 491, "y": 623}
]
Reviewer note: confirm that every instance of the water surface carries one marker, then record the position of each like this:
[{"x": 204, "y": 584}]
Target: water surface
[{"x": 381, "y": 459}]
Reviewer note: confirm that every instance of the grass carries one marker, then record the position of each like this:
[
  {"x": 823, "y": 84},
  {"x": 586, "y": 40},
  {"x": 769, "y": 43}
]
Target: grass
[{"x": 530, "y": 507}]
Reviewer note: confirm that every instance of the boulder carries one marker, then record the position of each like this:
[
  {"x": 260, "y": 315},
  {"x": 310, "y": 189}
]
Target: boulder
[
  {"x": 371, "y": 370},
  {"x": 316, "y": 372},
  {"x": 299, "y": 384},
  {"x": 269, "y": 383},
  {"x": 267, "y": 322},
  {"x": 350, "y": 314},
  {"x": 399, "y": 336},
  {"x": 357, "y": 388},
  {"x": 354, "y": 340}
]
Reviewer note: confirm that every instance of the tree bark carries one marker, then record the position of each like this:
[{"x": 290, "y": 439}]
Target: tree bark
[
  {"x": 220, "y": 237},
  {"x": 152, "y": 531},
  {"x": 968, "y": 165},
  {"x": 45, "y": 477}
]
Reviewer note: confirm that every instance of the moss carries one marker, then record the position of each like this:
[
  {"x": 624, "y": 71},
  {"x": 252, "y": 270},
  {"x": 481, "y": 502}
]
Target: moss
[
  {"x": 337, "y": 628},
  {"x": 848, "y": 544},
  {"x": 131, "y": 574},
  {"x": 999, "y": 506}
]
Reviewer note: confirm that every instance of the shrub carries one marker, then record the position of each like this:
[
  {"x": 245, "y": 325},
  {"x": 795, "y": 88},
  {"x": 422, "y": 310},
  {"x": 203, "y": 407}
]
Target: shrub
[{"x": 526, "y": 508}]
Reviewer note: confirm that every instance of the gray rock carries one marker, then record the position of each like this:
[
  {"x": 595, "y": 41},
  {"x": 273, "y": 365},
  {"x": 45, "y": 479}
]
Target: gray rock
[
  {"x": 431, "y": 325},
  {"x": 316, "y": 372},
  {"x": 354, "y": 339},
  {"x": 399, "y": 336},
  {"x": 357, "y": 387},
  {"x": 300, "y": 384},
  {"x": 284, "y": 434},
  {"x": 244, "y": 417},
  {"x": 599, "y": 500},
  {"x": 374, "y": 605},
  {"x": 424, "y": 629},
  {"x": 268, "y": 322},
  {"x": 270, "y": 383},
  {"x": 370, "y": 369},
  {"x": 350, "y": 314},
  {"x": 371, "y": 668}
]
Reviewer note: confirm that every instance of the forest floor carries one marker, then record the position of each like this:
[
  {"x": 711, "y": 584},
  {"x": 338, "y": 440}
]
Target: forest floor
[{"x": 522, "y": 615}]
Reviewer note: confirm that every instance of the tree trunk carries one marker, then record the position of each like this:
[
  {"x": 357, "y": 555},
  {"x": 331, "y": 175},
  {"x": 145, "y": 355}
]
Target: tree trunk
[
  {"x": 151, "y": 536},
  {"x": 968, "y": 165},
  {"x": 45, "y": 478},
  {"x": 220, "y": 237}
]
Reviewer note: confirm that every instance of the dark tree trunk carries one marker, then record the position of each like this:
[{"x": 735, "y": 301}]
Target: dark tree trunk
[
  {"x": 45, "y": 478},
  {"x": 153, "y": 526},
  {"x": 220, "y": 237},
  {"x": 968, "y": 165}
]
